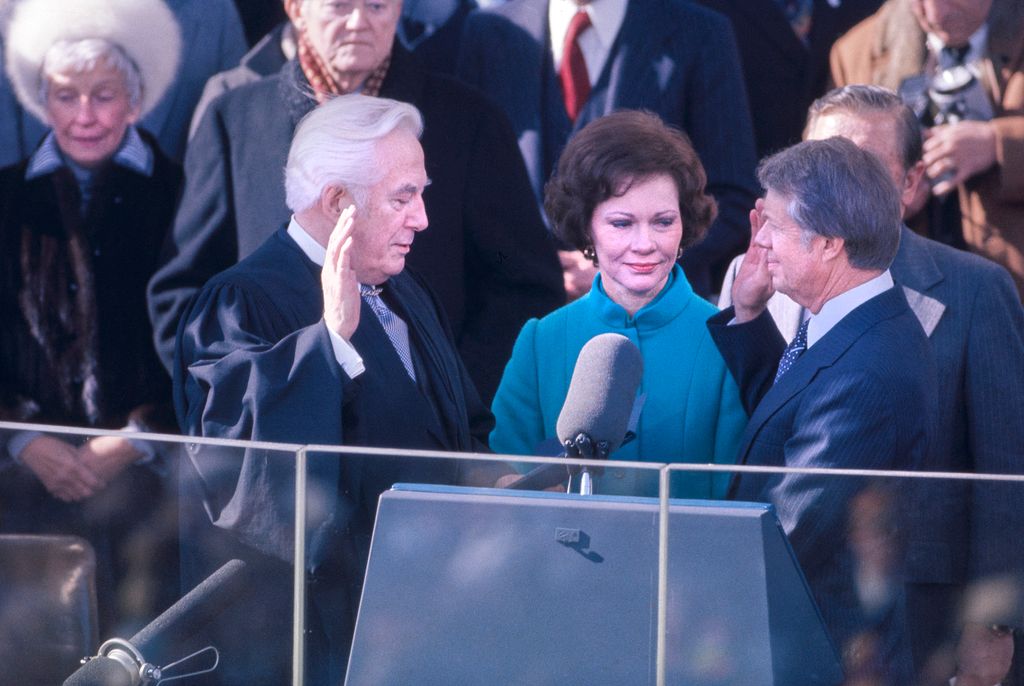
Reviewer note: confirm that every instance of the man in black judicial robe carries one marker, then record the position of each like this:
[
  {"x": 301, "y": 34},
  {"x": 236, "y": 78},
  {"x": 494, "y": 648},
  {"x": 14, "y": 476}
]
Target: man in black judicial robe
[{"x": 283, "y": 347}]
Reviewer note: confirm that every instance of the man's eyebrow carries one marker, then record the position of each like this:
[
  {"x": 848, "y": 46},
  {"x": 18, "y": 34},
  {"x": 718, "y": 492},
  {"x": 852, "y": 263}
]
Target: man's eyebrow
[{"x": 410, "y": 188}]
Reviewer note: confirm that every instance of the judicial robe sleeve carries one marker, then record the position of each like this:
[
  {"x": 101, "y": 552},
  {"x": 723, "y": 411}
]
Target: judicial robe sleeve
[{"x": 244, "y": 371}]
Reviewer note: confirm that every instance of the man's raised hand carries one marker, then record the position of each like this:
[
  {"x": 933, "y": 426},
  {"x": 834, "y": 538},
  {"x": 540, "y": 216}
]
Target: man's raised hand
[
  {"x": 753, "y": 284},
  {"x": 338, "y": 280}
]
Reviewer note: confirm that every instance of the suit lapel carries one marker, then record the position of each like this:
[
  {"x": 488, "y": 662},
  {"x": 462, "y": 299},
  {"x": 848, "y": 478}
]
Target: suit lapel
[
  {"x": 441, "y": 369},
  {"x": 822, "y": 354},
  {"x": 927, "y": 309},
  {"x": 531, "y": 18},
  {"x": 533, "y": 73},
  {"x": 379, "y": 353},
  {"x": 915, "y": 269},
  {"x": 633, "y": 70},
  {"x": 776, "y": 29}
]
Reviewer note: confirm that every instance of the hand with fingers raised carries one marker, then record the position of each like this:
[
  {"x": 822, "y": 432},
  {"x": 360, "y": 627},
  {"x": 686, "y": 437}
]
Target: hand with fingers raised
[{"x": 339, "y": 281}]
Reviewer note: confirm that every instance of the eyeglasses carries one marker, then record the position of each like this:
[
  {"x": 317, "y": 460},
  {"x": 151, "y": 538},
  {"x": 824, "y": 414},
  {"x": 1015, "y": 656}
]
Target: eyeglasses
[{"x": 343, "y": 9}]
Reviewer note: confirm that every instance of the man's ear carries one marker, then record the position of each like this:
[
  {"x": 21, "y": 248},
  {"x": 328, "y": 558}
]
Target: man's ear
[
  {"x": 333, "y": 199},
  {"x": 911, "y": 185},
  {"x": 832, "y": 247}
]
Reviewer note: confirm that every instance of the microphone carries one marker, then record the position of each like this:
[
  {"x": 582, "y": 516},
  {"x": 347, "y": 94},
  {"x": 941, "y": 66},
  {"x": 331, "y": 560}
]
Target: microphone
[
  {"x": 121, "y": 663},
  {"x": 598, "y": 407}
]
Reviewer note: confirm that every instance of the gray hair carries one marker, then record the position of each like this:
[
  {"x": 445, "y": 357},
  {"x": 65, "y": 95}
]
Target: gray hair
[
  {"x": 867, "y": 100},
  {"x": 80, "y": 56},
  {"x": 838, "y": 190},
  {"x": 336, "y": 145}
]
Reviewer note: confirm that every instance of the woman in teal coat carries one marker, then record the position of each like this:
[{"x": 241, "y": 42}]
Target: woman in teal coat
[{"x": 629, "y": 193}]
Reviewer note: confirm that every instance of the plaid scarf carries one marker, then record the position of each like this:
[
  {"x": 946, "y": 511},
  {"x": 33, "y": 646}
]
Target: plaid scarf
[{"x": 316, "y": 70}]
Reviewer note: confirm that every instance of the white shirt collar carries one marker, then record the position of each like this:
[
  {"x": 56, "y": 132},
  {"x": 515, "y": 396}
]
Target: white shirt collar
[
  {"x": 833, "y": 311},
  {"x": 133, "y": 154},
  {"x": 977, "y": 42},
  {"x": 307, "y": 244},
  {"x": 606, "y": 17}
]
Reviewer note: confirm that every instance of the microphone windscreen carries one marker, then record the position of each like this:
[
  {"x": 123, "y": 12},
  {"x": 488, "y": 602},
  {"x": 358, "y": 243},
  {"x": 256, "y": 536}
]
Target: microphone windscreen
[
  {"x": 602, "y": 391},
  {"x": 196, "y": 608},
  {"x": 100, "y": 671}
]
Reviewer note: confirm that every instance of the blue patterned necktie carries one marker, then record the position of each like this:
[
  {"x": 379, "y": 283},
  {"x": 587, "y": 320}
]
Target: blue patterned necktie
[
  {"x": 396, "y": 329},
  {"x": 793, "y": 351},
  {"x": 798, "y": 14}
]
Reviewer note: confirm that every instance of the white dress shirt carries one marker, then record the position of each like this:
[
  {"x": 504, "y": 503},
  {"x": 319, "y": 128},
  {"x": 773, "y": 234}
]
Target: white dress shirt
[
  {"x": 606, "y": 17},
  {"x": 833, "y": 311}
]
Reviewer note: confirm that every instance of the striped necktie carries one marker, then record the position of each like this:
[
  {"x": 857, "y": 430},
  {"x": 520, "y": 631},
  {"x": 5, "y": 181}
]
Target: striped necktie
[{"x": 396, "y": 329}]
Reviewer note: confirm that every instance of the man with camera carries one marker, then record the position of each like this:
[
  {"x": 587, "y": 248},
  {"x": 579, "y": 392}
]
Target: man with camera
[{"x": 960, "y": 65}]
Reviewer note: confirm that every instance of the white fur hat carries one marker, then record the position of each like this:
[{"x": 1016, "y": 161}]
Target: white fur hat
[{"x": 145, "y": 29}]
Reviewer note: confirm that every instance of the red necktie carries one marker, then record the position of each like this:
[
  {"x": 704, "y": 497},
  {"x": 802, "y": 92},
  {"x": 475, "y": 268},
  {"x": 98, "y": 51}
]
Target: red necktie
[{"x": 573, "y": 74}]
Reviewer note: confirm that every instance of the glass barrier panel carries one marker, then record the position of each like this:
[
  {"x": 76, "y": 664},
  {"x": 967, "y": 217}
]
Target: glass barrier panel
[
  {"x": 436, "y": 575},
  {"x": 832, "y": 577},
  {"x": 417, "y": 569},
  {"x": 103, "y": 535}
]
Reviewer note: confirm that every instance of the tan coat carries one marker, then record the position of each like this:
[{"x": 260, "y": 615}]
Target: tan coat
[{"x": 889, "y": 46}]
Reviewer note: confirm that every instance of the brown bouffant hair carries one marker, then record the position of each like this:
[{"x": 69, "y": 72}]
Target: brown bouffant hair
[{"x": 612, "y": 153}]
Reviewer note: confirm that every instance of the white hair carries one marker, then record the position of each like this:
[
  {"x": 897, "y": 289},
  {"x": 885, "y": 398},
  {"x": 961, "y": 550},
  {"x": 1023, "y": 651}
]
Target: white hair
[
  {"x": 146, "y": 31},
  {"x": 336, "y": 145},
  {"x": 78, "y": 57}
]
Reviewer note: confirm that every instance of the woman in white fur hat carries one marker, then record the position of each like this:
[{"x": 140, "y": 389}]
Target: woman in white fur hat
[{"x": 81, "y": 224}]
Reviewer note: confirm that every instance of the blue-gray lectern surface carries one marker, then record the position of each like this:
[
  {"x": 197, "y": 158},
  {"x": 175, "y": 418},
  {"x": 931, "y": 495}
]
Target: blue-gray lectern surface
[{"x": 485, "y": 586}]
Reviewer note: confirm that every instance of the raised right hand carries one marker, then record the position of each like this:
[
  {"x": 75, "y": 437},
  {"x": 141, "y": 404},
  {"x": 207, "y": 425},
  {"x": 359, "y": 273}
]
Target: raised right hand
[
  {"x": 56, "y": 464},
  {"x": 753, "y": 284},
  {"x": 338, "y": 280}
]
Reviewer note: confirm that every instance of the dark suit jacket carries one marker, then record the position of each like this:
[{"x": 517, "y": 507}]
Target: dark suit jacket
[
  {"x": 859, "y": 398},
  {"x": 969, "y": 310},
  {"x": 670, "y": 57},
  {"x": 486, "y": 254},
  {"x": 255, "y": 362},
  {"x": 439, "y": 50},
  {"x": 784, "y": 76}
]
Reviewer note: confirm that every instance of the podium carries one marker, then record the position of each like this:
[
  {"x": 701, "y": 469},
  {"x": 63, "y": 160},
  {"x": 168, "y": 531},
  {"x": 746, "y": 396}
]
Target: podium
[{"x": 487, "y": 586}]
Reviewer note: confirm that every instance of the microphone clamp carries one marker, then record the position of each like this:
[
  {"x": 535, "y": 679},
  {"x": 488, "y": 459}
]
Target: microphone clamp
[
  {"x": 585, "y": 447},
  {"x": 143, "y": 673},
  {"x": 122, "y": 651}
]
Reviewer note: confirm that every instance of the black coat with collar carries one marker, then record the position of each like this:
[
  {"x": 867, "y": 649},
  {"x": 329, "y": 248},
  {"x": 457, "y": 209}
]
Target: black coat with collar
[
  {"x": 486, "y": 254},
  {"x": 44, "y": 366}
]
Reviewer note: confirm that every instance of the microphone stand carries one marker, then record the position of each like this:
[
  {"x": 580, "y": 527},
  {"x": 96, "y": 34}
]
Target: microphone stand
[{"x": 583, "y": 446}]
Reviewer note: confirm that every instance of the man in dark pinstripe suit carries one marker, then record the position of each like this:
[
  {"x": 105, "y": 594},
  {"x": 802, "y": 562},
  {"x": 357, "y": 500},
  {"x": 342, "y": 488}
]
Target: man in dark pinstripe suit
[
  {"x": 960, "y": 533},
  {"x": 855, "y": 387}
]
